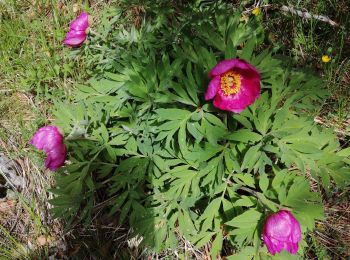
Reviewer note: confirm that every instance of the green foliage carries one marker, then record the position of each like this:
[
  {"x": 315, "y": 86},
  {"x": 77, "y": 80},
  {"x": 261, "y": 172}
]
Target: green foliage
[{"x": 143, "y": 140}]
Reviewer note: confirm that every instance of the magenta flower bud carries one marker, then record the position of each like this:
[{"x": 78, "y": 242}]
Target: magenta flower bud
[
  {"x": 235, "y": 85},
  {"x": 281, "y": 231},
  {"x": 78, "y": 31},
  {"x": 50, "y": 140}
]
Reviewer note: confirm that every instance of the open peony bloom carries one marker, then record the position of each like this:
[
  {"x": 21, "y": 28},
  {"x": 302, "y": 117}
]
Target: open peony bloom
[
  {"x": 281, "y": 231},
  {"x": 235, "y": 85},
  {"x": 77, "y": 31},
  {"x": 50, "y": 140}
]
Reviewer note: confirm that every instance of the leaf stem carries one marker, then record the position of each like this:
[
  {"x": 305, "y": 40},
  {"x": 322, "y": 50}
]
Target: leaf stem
[{"x": 263, "y": 200}]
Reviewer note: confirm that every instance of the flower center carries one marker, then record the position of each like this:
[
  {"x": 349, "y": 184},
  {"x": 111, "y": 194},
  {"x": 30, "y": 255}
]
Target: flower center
[{"x": 230, "y": 83}]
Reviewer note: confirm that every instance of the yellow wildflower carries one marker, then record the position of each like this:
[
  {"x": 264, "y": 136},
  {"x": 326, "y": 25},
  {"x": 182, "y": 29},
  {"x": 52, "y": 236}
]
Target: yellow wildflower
[
  {"x": 256, "y": 11},
  {"x": 326, "y": 58}
]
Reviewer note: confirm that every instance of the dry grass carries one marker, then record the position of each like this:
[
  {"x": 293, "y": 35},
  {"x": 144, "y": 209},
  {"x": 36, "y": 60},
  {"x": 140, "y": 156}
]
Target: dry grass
[
  {"x": 334, "y": 233},
  {"x": 25, "y": 214}
]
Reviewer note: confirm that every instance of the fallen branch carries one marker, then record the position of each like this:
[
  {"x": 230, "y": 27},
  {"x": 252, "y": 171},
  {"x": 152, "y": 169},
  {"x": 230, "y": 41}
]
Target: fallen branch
[
  {"x": 305, "y": 14},
  {"x": 289, "y": 9}
]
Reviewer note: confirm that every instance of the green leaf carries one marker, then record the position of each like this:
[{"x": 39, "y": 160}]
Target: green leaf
[
  {"x": 182, "y": 139},
  {"x": 247, "y": 179},
  {"x": 283, "y": 255},
  {"x": 344, "y": 153},
  {"x": 203, "y": 238},
  {"x": 251, "y": 157},
  {"x": 245, "y": 224},
  {"x": 246, "y": 253},
  {"x": 247, "y": 220},
  {"x": 306, "y": 205},
  {"x": 245, "y": 136},
  {"x": 264, "y": 182},
  {"x": 210, "y": 212},
  {"x": 186, "y": 225},
  {"x": 172, "y": 114},
  {"x": 244, "y": 201},
  {"x": 217, "y": 245},
  {"x": 118, "y": 140},
  {"x": 244, "y": 121},
  {"x": 248, "y": 49}
]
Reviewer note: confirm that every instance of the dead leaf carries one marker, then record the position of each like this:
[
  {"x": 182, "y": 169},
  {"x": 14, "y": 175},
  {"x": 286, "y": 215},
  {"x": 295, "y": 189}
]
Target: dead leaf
[{"x": 6, "y": 205}]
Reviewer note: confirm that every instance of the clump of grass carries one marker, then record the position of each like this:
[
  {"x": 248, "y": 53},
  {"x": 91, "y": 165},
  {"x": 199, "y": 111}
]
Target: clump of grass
[{"x": 32, "y": 55}]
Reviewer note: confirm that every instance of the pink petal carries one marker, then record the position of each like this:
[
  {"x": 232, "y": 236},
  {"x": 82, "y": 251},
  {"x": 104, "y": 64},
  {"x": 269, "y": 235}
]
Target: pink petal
[
  {"x": 81, "y": 23},
  {"x": 246, "y": 69},
  {"x": 292, "y": 248},
  {"x": 236, "y": 64},
  {"x": 278, "y": 246},
  {"x": 74, "y": 33},
  {"x": 235, "y": 103},
  {"x": 271, "y": 247},
  {"x": 222, "y": 67},
  {"x": 296, "y": 231},
  {"x": 74, "y": 39},
  {"x": 213, "y": 88},
  {"x": 279, "y": 228},
  {"x": 251, "y": 86},
  {"x": 52, "y": 140},
  {"x": 39, "y": 139},
  {"x": 56, "y": 157}
]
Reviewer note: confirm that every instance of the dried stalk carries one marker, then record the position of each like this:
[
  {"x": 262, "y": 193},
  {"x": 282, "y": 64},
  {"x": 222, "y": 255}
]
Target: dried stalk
[
  {"x": 305, "y": 14},
  {"x": 290, "y": 9}
]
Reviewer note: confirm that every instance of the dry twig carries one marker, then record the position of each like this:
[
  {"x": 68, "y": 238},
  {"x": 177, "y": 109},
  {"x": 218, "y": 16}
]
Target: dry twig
[{"x": 305, "y": 14}]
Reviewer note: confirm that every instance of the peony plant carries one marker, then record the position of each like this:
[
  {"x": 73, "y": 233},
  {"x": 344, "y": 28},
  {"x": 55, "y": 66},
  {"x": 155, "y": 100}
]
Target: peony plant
[{"x": 166, "y": 162}]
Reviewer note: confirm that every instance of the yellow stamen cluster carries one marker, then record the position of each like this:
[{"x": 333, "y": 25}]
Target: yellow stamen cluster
[{"x": 230, "y": 83}]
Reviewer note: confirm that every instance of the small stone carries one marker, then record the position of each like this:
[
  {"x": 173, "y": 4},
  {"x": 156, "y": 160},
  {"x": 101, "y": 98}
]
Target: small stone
[{"x": 41, "y": 240}]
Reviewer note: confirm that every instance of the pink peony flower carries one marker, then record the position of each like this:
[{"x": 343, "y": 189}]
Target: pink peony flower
[
  {"x": 235, "y": 85},
  {"x": 77, "y": 31},
  {"x": 50, "y": 140},
  {"x": 281, "y": 231}
]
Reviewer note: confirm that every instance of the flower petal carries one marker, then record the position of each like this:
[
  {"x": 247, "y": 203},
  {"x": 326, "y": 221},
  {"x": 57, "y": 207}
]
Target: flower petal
[
  {"x": 39, "y": 139},
  {"x": 81, "y": 23},
  {"x": 213, "y": 88},
  {"x": 56, "y": 157},
  {"x": 296, "y": 230},
  {"x": 271, "y": 247},
  {"x": 246, "y": 69},
  {"x": 230, "y": 103},
  {"x": 222, "y": 67},
  {"x": 74, "y": 38},
  {"x": 292, "y": 248},
  {"x": 235, "y": 103},
  {"x": 238, "y": 65}
]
